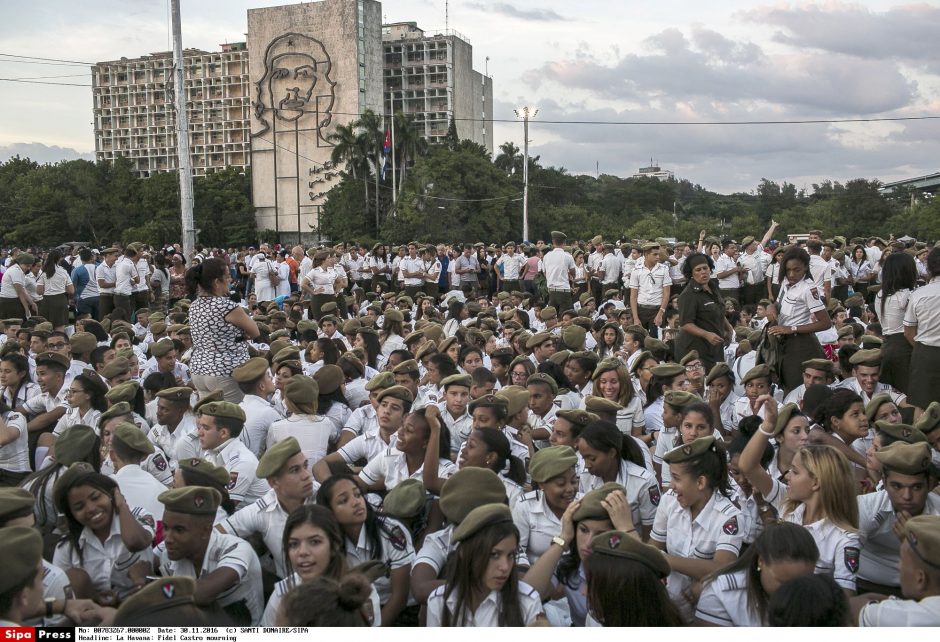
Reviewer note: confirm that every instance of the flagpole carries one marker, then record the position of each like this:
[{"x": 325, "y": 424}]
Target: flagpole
[{"x": 394, "y": 181}]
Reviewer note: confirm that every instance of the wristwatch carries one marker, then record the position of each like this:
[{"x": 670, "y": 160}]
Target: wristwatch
[
  {"x": 558, "y": 539},
  {"x": 793, "y": 329},
  {"x": 50, "y": 602}
]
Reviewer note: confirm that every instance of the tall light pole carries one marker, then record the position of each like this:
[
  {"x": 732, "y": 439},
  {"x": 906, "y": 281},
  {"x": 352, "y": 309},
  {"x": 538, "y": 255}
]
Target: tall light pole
[
  {"x": 525, "y": 113},
  {"x": 182, "y": 135}
]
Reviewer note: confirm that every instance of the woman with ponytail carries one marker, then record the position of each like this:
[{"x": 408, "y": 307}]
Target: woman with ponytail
[{"x": 219, "y": 329}]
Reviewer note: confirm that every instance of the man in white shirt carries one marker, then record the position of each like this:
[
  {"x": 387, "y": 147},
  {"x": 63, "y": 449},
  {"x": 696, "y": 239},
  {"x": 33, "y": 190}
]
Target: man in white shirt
[
  {"x": 432, "y": 271},
  {"x": 13, "y": 286},
  {"x": 129, "y": 447},
  {"x": 559, "y": 271},
  {"x": 819, "y": 269},
  {"x": 728, "y": 272},
  {"x": 106, "y": 279},
  {"x": 412, "y": 270},
  {"x": 512, "y": 266},
  {"x": 125, "y": 278},
  {"x": 219, "y": 426},
  {"x": 650, "y": 288},
  {"x": 254, "y": 379},
  {"x": 609, "y": 269}
]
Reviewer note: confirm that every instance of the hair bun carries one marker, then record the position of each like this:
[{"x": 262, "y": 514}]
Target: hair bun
[{"x": 354, "y": 591}]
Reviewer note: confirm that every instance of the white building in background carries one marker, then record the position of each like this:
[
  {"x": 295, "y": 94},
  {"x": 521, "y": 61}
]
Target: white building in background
[{"x": 655, "y": 171}]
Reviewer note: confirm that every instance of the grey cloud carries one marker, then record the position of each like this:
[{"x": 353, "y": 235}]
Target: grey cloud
[
  {"x": 512, "y": 11},
  {"x": 43, "y": 153}
]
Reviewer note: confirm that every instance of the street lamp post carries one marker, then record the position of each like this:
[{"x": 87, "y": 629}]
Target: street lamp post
[{"x": 525, "y": 113}]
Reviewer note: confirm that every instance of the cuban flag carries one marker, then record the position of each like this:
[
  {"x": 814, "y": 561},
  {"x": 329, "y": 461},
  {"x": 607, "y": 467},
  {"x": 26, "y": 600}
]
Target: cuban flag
[{"x": 385, "y": 151}]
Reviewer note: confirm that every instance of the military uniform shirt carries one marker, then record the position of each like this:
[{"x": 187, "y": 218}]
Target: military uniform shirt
[
  {"x": 839, "y": 550},
  {"x": 487, "y": 614},
  {"x": 881, "y": 548},
  {"x": 641, "y": 490},
  {"x": 179, "y": 445},
  {"x": 366, "y": 447},
  {"x": 537, "y": 525},
  {"x": 282, "y": 588},
  {"x": 140, "y": 489},
  {"x": 650, "y": 283},
  {"x": 459, "y": 428},
  {"x": 397, "y": 551},
  {"x": 798, "y": 302},
  {"x": 259, "y": 415},
  {"x": 438, "y": 546},
  {"x": 240, "y": 463},
  {"x": 311, "y": 431},
  {"x": 362, "y": 420},
  {"x": 391, "y": 468},
  {"x": 724, "y": 602},
  {"x": 895, "y": 612}
]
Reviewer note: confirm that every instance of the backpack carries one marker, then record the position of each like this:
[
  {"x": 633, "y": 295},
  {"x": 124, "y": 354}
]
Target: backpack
[{"x": 273, "y": 277}]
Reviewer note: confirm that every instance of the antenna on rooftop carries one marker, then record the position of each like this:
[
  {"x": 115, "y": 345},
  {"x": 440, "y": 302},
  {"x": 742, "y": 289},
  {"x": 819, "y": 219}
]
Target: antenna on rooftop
[{"x": 446, "y": 15}]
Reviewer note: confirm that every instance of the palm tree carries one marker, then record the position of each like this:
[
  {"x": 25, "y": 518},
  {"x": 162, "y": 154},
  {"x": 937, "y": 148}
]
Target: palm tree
[
  {"x": 348, "y": 149},
  {"x": 408, "y": 143},
  {"x": 509, "y": 159},
  {"x": 371, "y": 138}
]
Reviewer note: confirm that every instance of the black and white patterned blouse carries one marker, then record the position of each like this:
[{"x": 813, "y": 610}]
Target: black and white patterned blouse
[{"x": 218, "y": 346}]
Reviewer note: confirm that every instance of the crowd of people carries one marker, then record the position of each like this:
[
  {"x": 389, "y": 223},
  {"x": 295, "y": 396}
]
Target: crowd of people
[{"x": 574, "y": 433}]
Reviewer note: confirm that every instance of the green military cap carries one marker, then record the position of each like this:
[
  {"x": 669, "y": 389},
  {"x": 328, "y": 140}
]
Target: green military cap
[
  {"x": 489, "y": 401},
  {"x": 329, "y": 378},
  {"x": 854, "y": 301},
  {"x": 75, "y": 444},
  {"x": 119, "y": 409},
  {"x": 871, "y": 409},
  {"x": 686, "y": 452},
  {"x": 276, "y": 346},
  {"x": 680, "y": 398},
  {"x": 397, "y": 392},
  {"x": 158, "y": 327},
  {"x": 845, "y": 331},
  {"x": 741, "y": 332},
  {"x": 468, "y": 488},
  {"x": 538, "y": 339},
  {"x": 754, "y": 336},
  {"x": 330, "y": 318},
  {"x": 574, "y": 336},
  {"x": 66, "y": 479},
  {"x": 866, "y": 358},
  {"x": 690, "y": 356},
  {"x": 15, "y": 502},
  {"x": 406, "y": 500},
  {"x": 306, "y": 324},
  {"x": 548, "y": 312},
  {"x": 819, "y": 364},
  {"x": 184, "y": 330},
  {"x": 287, "y": 353},
  {"x": 718, "y": 371},
  {"x": 349, "y": 327},
  {"x": 191, "y": 500},
  {"x": 21, "y": 551},
  {"x": 132, "y": 437},
  {"x": 901, "y": 432},
  {"x": 473, "y": 308},
  {"x": 874, "y": 288},
  {"x": 558, "y": 236},
  {"x": 204, "y": 468},
  {"x": 225, "y": 409},
  {"x": 560, "y": 357},
  {"x": 53, "y": 358},
  {"x": 157, "y": 316},
  {"x": 620, "y": 544},
  {"x": 381, "y": 381},
  {"x": 161, "y": 348},
  {"x": 328, "y": 308},
  {"x": 870, "y": 341},
  {"x": 607, "y": 365},
  {"x": 457, "y": 380},
  {"x": 907, "y": 458},
  {"x": 25, "y": 258},
  {"x": 276, "y": 456},
  {"x": 178, "y": 393},
  {"x": 407, "y": 300},
  {"x": 922, "y": 534},
  {"x": 175, "y": 328},
  {"x": 577, "y": 416},
  {"x": 411, "y": 337},
  {"x": 649, "y": 247},
  {"x": 608, "y": 294},
  {"x": 215, "y": 395},
  {"x": 434, "y": 332},
  {"x": 930, "y": 419},
  {"x": 162, "y": 600},
  {"x": 552, "y": 461},
  {"x": 591, "y": 507},
  {"x": 116, "y": 367},
  {"x": 643, "y": 356},
  {"x": 409, "y": 366},
  {"x": 302, "y": 390},
  {"x": 279, "y": 334},
  {"x": 391, "y": 314},
  {"x": 427, "y": 349},
  {"x": 42, "y": 334},
  {"x": 251, "y": 370},
  {"x": 747, "y": 240},
  {"x": 668, "y": 370},
  {"x": 479, "y": 518},
  {"x": 517, "y": 399},
  {"x": 599, "y": 405},
  {"x": 125, "y": 353},
  {"x": 637, "y": 329},
  {"x": 784, "y": 414},
  {"x": 541, "y": 377},
  {"x": 758, "y": 371},
  {"x": 502, "y": 296}
]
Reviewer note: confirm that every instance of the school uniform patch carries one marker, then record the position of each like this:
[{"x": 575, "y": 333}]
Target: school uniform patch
[
  {"x": 654, "y": 496},
  {"x": 234, "y": 478},
  {"x": 147, "y": 520},
  {"x": 815, "y": 293},
  {"x": 397, "y": 538},
  {"x": 850, "y": 555},
  {"x": 731, "y": 526},
  {"x": 160, "y": 462}
]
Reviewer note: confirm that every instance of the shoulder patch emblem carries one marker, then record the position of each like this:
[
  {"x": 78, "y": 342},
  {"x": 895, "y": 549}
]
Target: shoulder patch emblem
[
  {"x": 147, "y": 520},
  {"x": 851, "y": 554},
  {"x": 731, "y": 526},
  {"x": 397, "y": 538},
  {"x": 234, "y": 479},
  {"x": 654, "y": 495},
  {"x": 815, "y": 293},
  {"x": 160, "y": 462}
]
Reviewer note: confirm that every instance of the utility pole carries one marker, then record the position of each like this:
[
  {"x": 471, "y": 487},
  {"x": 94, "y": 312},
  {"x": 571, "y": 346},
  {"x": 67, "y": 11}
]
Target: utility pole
[
  {"x": 182, "y": 135},
  {"x": 394, "y": 182},
  {"x": 525, "y": 114}
]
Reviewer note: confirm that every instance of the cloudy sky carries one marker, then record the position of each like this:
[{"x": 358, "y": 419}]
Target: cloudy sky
[{"x": 595, "y": 60}]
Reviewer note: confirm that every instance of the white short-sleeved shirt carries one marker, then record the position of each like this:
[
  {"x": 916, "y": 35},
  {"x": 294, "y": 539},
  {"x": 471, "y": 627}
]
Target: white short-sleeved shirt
[
  {"x": 244, "y": 487},
  {"x": 723, "y": 264},
  {"x": 312, "y": 432},
  {"x": 487, "y": 614},
  {"x": 839, "y": 550},
  {"x": 881, "y": 548},
  {"x": 55, "y": 285},
  {"x": 923, "y": 310},
  {"x": 181, "y": 444},
  {"x": 124, "y": 273},
  {"x": 140, "y": 489},
  {"x": 650, "y": 283},
  {"x": 282, "y": 588},
  {"x": 14, "y": 457},
  {"x": 459, "y": 428},
  {"x": 259, "y": 415},
  {"x": 798, "y": 302},
  {"x": 537, "y": 525},
  {"x": 106, "y": 273},
  {"x": 367, "y": 446},
  {"x": 895, "y": 612},
  {"x": 10, "y": 279},
  {"x": 512, "y": 266},
  {"x": 73, "y": 417},
  {"x": 397, "y": 551},
  {"x": 641, "y": 490},
  {"x": 108, "y": 562},
  {"x": 723, "y": 602},
  {"x": 653, "y": 415},
  {"x": 820, "y": 271},
  {"x": 322, "y": 279},
  {"x": 392, "y": 468},
  {"x": 412, "y": 265},
  {"x": 223, "y": 551},
  {"x": 556, "y": 264}
]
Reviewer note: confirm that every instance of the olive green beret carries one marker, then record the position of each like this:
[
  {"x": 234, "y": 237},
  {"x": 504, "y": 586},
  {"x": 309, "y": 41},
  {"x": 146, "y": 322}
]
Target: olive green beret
[
  {"x": 591, "y": 507},
  {"x": 279, "y": 334},
  {"x": 161, "y": 348},
  {"x": 784, "y": 413},
  {"x": 329, "y": 378},
  {"x": 923, "y": 536},
  {"x": 25, "y": 258},
  {"x": 65, "y": 481},
  {"x": 697, "y": 448},
  {"x": 930, "y": 419},
  {"x": 468, "y": 488},
  {"x": 328, "y": 308},
  {"x": 668, "y": 370},
  {"x": 175, "y": 328},
  {"x": 718, "y": 371},
  {"x": 215, "y": 395},
  {"x": 306, "y": 324},
  {"x": 855, "y": 301},
  {"x": 577, "y": 417},
  {"x": 287, "y": 353},
  {"x": 680, "y": 398},
  {"x": 620, "y": 544},
  {"x": 411, "y": 337},
  {"x": 517, "y": 399},
  {"x": 210, "y": 471},
  {"x": 119, "y": 409},
  {"x": 405, "y": 500},
  {"x": 543, "y": 378},
  {"x": 638, "y": 362},
  {"x": 538, "y": 339},
  {"x": 53, "y": 358},
  {"x": 901, "y": 432},
  {"x": 132, "y": 437},
  {"x": 428, "y": 348},
  {"x": 397, "y": 392},
  {"x": 21, "y": 551},
  {"x": 690, "y": 356},
  {"x": 479, "y": 518},
  {"x": 906, "y": 458},
  {"x": 225, "y": 409},
  {"x": 381, "y": 381},
  {"x": 349, "y": 327},
  {"x": 116, "y": 367},
  {"x": 754, "y": 337},
  {"x": 191, "y": 500},
  {"x": 558, "y": 236},
  {"x": 161, "y": 597},
  {"x": 276, "y": 456},
  {"x": 866, "y": 358},
  {"x": 41, "y": 333},
  {"x": 871, "y": 409},
  {"x": 75, "y": 444},
  {"x": 870, "y": 341},
  {"x": 126, "y": 353},
  {"x": 457, "y": 380},
  {"x": 845, "y": 331},
  {"x": 251, "y": 370},
  {"x": 178, "y": 393},
  {"x": 600, "y": 405},
  {"x": 747, "y": 240},
  {"x": 302, "y": 390},
  {"x": 819, "y": 364},
  {"x": 15, "y": 500},
  {"x": 758, "y": 371},
  {"x": 552, "y": 461},
  {"x": 391, "y": 314},
  {"x": 489, "y": 401},
  {"x": 548, "y": 312},
  {"x": 648, "y": 247},
  {"x": 434, "y": 332},
  {"x": 560, "y": 357},
  {"x": 409, "y": 366}
]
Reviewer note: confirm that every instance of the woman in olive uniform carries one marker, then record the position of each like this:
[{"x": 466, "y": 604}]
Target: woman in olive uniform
[{"x": 702, "y": 323}]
